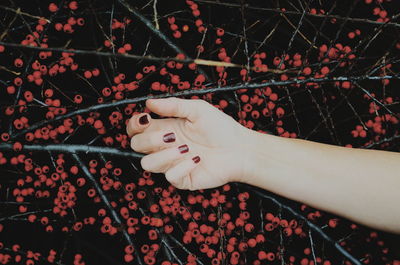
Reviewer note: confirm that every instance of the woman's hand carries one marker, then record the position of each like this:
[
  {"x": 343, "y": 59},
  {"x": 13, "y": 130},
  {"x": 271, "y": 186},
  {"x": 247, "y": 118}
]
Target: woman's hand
[
  {"x": 201, "y": 148},
  {"x": 354, "y": 183}
]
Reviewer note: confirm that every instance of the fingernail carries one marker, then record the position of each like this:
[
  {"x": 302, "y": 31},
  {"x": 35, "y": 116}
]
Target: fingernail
[
  {"x": 143, "y": 120},
  {"x": 196, "y": 159},
  {"x": 183, "y": 148},
  {"x": 169, "y": 137}
]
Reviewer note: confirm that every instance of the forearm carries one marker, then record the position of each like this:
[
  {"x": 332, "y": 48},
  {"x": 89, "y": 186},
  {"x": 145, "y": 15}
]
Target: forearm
[{"x": 362, "y": 185}]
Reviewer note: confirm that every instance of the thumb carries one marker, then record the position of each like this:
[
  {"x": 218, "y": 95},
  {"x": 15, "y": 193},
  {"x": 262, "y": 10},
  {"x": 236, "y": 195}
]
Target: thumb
[{"x": 176, "y": 107}]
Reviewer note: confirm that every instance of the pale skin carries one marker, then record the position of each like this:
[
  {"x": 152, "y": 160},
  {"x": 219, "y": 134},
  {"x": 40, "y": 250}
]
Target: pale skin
[{"x": 361, "y": 185}]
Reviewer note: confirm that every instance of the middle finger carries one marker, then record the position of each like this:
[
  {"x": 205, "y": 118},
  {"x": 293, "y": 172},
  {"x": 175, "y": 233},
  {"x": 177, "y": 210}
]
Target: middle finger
[{"x": 153, "y": 141}]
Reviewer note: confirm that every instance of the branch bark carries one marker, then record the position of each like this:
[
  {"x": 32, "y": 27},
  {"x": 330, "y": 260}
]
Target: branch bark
[
  {"x": 312, "y": 226},
  {"x": 201, "y": 92},
  {"x": 69, "y": 148},
  {"x": 108, "y": 205}
]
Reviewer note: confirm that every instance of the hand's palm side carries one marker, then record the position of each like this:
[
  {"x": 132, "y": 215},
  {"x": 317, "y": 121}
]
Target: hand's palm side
[{"x": 209, "y": 134}]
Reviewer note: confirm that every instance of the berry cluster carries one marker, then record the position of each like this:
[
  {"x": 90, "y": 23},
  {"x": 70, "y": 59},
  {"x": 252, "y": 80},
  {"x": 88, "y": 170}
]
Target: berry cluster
[{"x": 72, "y": 73}]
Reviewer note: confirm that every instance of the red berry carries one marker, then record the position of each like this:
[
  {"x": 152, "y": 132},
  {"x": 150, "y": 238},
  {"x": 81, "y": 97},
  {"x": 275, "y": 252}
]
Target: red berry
[{"x": 53, "y": 7}]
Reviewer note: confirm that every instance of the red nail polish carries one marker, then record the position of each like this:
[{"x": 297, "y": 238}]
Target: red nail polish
[
  {"x": 169, "y": 137},
  {"x": 183, "y": 148},
  {"x": 143, "y": 120},
  {"x": 196, "y": 159}
]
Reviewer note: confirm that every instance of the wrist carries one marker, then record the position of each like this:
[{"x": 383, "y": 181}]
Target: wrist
[
  {"x": 254, "y": 152},
  {"x": 265, "y": 156}
]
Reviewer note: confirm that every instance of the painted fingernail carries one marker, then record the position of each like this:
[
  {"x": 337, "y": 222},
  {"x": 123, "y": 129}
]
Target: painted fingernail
[
  {"x": 169, "y": 137},
  {"x": 183, "y": 148},
  {"x": 196, "y": 159},
  {"x": 143, "y": 120}
]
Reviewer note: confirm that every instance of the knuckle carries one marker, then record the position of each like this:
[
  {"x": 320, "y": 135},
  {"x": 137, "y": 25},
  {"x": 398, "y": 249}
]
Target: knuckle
[
  {"x": 190, "y": 188},
  {"x": 134, "y": 143},
  {"x": 145, "y": 163},
  {"x": 168, "y": 176},
  {"x": 178, "y": 185},
  {"x": 190, "y": 183},
  {"x": 181, "y": 109},
  {"x": 171, "y": 178}
]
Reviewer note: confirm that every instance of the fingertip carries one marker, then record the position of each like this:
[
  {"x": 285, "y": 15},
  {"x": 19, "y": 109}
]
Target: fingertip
[
  {"x": 138, "y": 123},
  {"x": 196, "y": 159},
  {"x": 144, "y": 120}
]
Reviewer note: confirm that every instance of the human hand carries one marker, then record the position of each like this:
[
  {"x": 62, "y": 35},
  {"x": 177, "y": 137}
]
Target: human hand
[{"x": 216, "y": 143}]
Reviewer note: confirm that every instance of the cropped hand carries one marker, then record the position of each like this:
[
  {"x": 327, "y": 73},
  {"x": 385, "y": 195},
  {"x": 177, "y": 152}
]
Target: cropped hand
[{"x": 200, "y": 147}]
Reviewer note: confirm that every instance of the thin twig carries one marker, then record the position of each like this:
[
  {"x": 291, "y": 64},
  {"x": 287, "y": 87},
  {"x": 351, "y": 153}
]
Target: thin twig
[
  {"x": 200, "y": 92},
  {"x": 158, "y": 33},
  {"x": 385, "y": 140},
  {"x": 107, "y": 203},
  {"x": 19, "y": 12},
  {"x": 312, "y": 246},
  {"x": 155, "y": 14},
  {"x": 297, "y": 13},
  {"x": 125, "y": 55},
  {"x": 312, "y": 226}
]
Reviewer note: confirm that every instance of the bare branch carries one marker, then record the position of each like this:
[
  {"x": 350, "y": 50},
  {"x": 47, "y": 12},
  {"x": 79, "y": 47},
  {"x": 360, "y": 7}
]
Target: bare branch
[
  {"x": 317, "y": 229},
  {"x": 75, "y": 149},
  {"x": 201, "y": 92},
  {"x": 107, "y": 203}
]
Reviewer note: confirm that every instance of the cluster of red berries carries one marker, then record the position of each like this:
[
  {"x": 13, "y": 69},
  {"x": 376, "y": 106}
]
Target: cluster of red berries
[
  {"x": 111, "y": 42},
  {"x": 138, "y": 214}
]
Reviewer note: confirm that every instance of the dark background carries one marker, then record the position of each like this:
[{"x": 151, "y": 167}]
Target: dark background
[{"x": 305, "y": 110}]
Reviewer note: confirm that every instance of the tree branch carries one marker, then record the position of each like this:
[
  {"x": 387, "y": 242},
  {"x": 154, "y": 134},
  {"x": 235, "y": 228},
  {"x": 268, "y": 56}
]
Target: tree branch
[
  {"x": 188, "y": 60},
  {"x": 296, "y": 13},
  {"x": 69, "y": 148},
  {"x": 312, "y": 226},
  {"x": 158, "y": 33},
  {"x": 108, "y": 205},
  {"x": 190, "y": 92}
]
